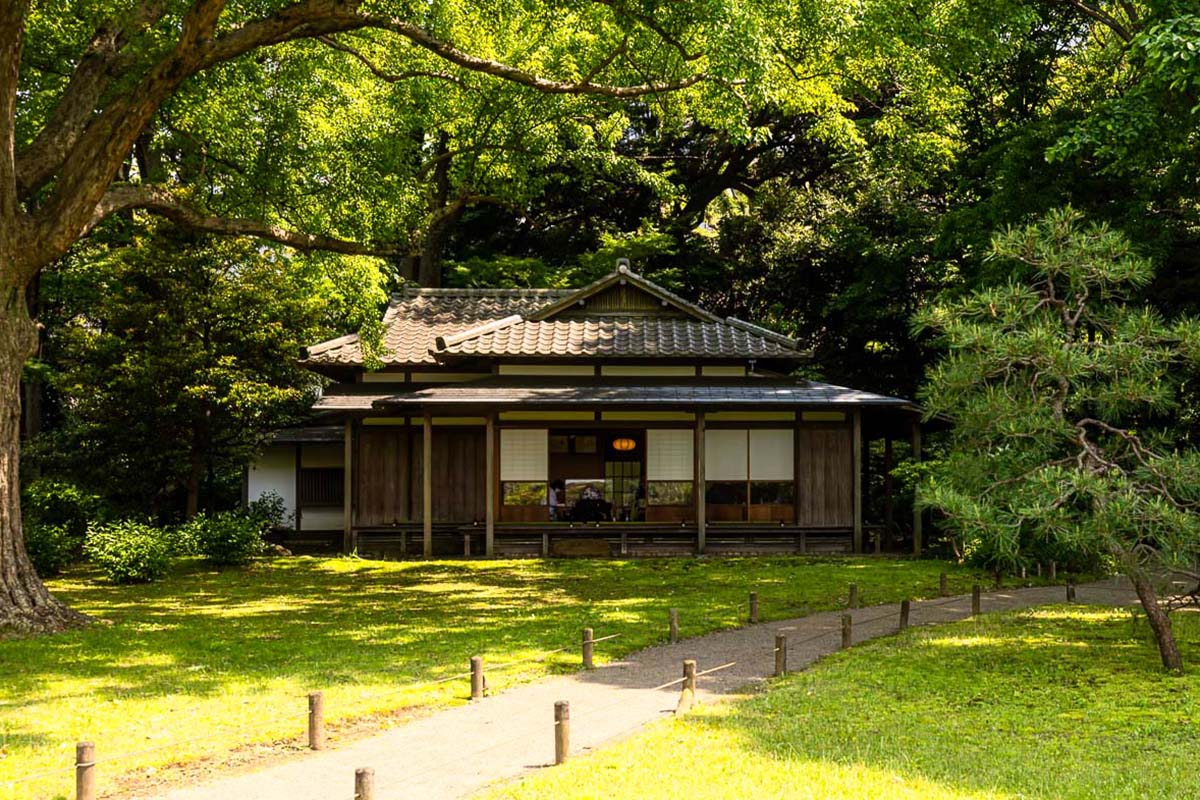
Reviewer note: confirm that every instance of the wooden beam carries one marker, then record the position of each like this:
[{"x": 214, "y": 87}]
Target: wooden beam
[
  {"x": 348, "y": 486},
  {"x": 490, "y": 490},
  {"x": 856, "y": 462},
  {"x": 917, "y": 516},
  {"x": 698, "y": 487},
  {"x": 427, "y": 486}
]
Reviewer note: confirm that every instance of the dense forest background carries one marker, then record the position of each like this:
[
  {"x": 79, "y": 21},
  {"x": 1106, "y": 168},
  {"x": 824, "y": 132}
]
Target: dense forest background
[{"x": 839, "y": 168}]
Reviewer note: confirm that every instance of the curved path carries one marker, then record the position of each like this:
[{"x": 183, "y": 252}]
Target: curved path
[{"x": 458, "y": 751}]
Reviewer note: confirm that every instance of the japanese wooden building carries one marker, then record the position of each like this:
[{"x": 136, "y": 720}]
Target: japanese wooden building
[{"x": 613, "y": 419}]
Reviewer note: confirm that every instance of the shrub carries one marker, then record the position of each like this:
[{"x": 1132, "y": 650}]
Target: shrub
[
  {"x": 50, "y": 502},
  {"x": 129, "y": 551},
  {"x": 51, "y": 548},
  {"x": 270, "y": 509},
  {"x": 228, "y": 538}
]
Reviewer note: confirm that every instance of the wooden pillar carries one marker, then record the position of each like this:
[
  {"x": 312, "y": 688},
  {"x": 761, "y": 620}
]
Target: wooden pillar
[
  {"x": 889, "y": 483},
  {"x": 427, "y": 486},
  {"x": 857, "y": 487},
  {"x": 348, "y": 486},
  {"x": 698, "y": 488},
  {"x": 917, "y": 517},
  {"x": 299, "y": 461},
  {"x": 490, "y": 491}
]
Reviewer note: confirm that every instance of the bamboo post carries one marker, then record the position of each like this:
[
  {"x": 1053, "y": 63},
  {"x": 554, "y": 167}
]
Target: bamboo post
[
  {"x": 905, "y": 608},
  {"x": 674, "y": 622},
  {"x": 754, "y": 608},
  {"x": 562, "y": 731},
  {"x": 316, "y": 720},
  {"x": 85, "y": 771},
  {"x": 975, "y": 600},
  {"x": 847, "y": 630},
  {"x": 364, "y": 784},
  {"x": 944, "y": 585},
  {"x": 854, "y": 595},
  {"x": 588, "y": 646},
  {"x": 476, "y": 677},
  {"x": 780, "y": 655}
]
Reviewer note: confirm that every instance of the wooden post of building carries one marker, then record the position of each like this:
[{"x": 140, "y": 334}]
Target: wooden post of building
[
  {"x": 348, "y": 544},
  {"x": 316, "y": 721},
  {"x": 489, "y": 530},
  {"x": 857, "y": 460},
  {"x": 85, "y": 771},
  {"x": 364, "y": 784},
  {"x": 427, "y": 486},
  {"x": 976, "y": 601},
  {"x": 917, "y": 519},
  {"x": 476, "y": 677},
  {"x": 673, "y": 615},
  {"x": 905, "y": 609},
  {"x": 588, "y": 648},
  {"x": 780, "y": 655},
  {"x": 701, "y": 511},
  {"x": 754, "y": 608},
  {"x": 847, "y": 630},
  {"x": 562, "y": 731}
]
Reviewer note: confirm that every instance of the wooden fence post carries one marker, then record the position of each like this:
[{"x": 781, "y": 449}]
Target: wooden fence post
[
  {"x": 588, "y": 646},
  {"x": 316, "y": 720},
  {"x": 1053, "y": 574},
  {"x": 975, "y": 600},
  {"x": 476, "y": 677},
  {"x": 847, "y": 630},
  {"x": 905, "y": 608},
  {"x": 780, "y": 655},
  {"x": 562, "y": 731},
  {"x": 944, "y": 585},
  {"x": 754, "y": 608},
  {"x": 674, "y": 622},
  {"x": 689, "y": 674},
  {"x": 1070, "y": 590},
  {"x": 364, "y": 784},
  {"x": 854, "y": 595},
  {"x": 85, "y": 771}
]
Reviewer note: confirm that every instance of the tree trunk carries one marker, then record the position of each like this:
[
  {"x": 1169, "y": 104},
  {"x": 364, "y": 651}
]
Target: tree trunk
[
  {"x": 26, "y": 606},
  {"x": 1160, "y": 623}
]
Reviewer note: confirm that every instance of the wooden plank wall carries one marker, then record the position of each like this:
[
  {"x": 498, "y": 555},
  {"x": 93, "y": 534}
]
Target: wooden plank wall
[
  {"x": 825, "y": 476},
  {"x": 389, "y": 481}
]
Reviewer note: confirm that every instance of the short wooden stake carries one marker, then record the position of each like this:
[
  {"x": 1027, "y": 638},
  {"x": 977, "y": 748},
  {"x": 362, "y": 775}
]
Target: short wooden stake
[
  {"x": 316, "y": 720},
  {"x": 85, "y": 771},
  {"x": 975, "y": 600},
  {"x": 1039, "y": 569},
  {"x": 1024, "y": 574},
  {"x": 562, "y": 731},
  {"x": 847, "y": 630},
  {"x": 754, "y": 608},
  {"x": 1070, "y": 591},
  {"x": 1053, "y": 571},
  {"x": 905, "y": 608},
  {"x": 780, "y": 655},
  {"x": 364, "y": 784},
  {"x": 689, "y": 674},
  {"x": 476, "y": 677},
  {"x": 944, "y": 585},
  {"x": 854, "y": 595},
  {"x": 588, "y": 646},
  {"x": 674, "y": 621}
]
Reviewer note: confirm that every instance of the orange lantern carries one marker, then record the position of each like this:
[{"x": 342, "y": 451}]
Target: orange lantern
[{"x": 623, "y": 445}]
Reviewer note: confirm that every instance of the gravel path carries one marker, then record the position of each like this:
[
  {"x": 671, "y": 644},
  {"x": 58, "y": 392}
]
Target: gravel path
[{"x": 456, "y": 752}]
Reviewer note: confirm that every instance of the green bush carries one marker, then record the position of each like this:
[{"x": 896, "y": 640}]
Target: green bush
[
  {"x": 50, "y": 502},
  {"x": 129, "y": 551},
  {"x": 228, "y": 538},
  {"x": 270, "y": 509},
  {"x": 51, "y": 548}
]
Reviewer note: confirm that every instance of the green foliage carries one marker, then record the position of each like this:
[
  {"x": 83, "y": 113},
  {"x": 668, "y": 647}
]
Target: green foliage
[
  {"x": 1061, "y": 703},
  {"x": 227, "y": 538},
  {"x": 128, "y": 551},
  {"x": 51, "y": 548},
  {"x": 1064, "y": 398},
  {"x": 269, "y": 509},
  {"x": 57, "y": 503}
]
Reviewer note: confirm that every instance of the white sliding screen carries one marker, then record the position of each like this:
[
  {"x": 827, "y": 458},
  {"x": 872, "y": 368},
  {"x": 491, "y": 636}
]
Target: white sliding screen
[
  {"x": 725, "y": 455},
  {"x": 669, "y": 455},
  {"x": 524, "y": 454},
  {"x": 772, "y": 455}
]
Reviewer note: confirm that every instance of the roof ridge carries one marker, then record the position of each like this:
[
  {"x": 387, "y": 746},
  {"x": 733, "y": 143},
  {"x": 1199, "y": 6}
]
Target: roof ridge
[{"x": 409, "y": 292}]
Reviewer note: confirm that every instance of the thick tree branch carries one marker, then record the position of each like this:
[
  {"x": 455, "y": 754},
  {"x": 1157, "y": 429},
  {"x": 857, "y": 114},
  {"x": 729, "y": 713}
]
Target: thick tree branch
[
  {"x": 384, "y": 75},
  {"x": 1103, "y": 17},
  {"x": 163, "y": 203}
]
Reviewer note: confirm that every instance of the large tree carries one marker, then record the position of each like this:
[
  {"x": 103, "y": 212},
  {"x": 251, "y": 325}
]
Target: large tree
[
  {"x": 84, "y": 88},
  {"x": 1065, "y": 401}
]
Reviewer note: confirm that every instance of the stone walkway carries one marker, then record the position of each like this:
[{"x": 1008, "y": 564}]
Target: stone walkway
[{"x": 458, "y": 751}]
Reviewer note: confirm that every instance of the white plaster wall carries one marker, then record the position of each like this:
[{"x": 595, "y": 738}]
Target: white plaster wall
[
  {"x": 322, "y": 519},
  {"x": 275, "y": 471}
]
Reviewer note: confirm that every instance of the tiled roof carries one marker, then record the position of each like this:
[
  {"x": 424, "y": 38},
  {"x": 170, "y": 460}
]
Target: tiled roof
[
  {"x": 620, "y": 337},
  {"x": 743, "y": 393},
  {"x": 416, "y": 317}
]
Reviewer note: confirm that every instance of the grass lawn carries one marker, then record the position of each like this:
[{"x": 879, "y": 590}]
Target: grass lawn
[
  {"x": 225, "y": 658},
  {"x": 1060, "y": 702}
]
